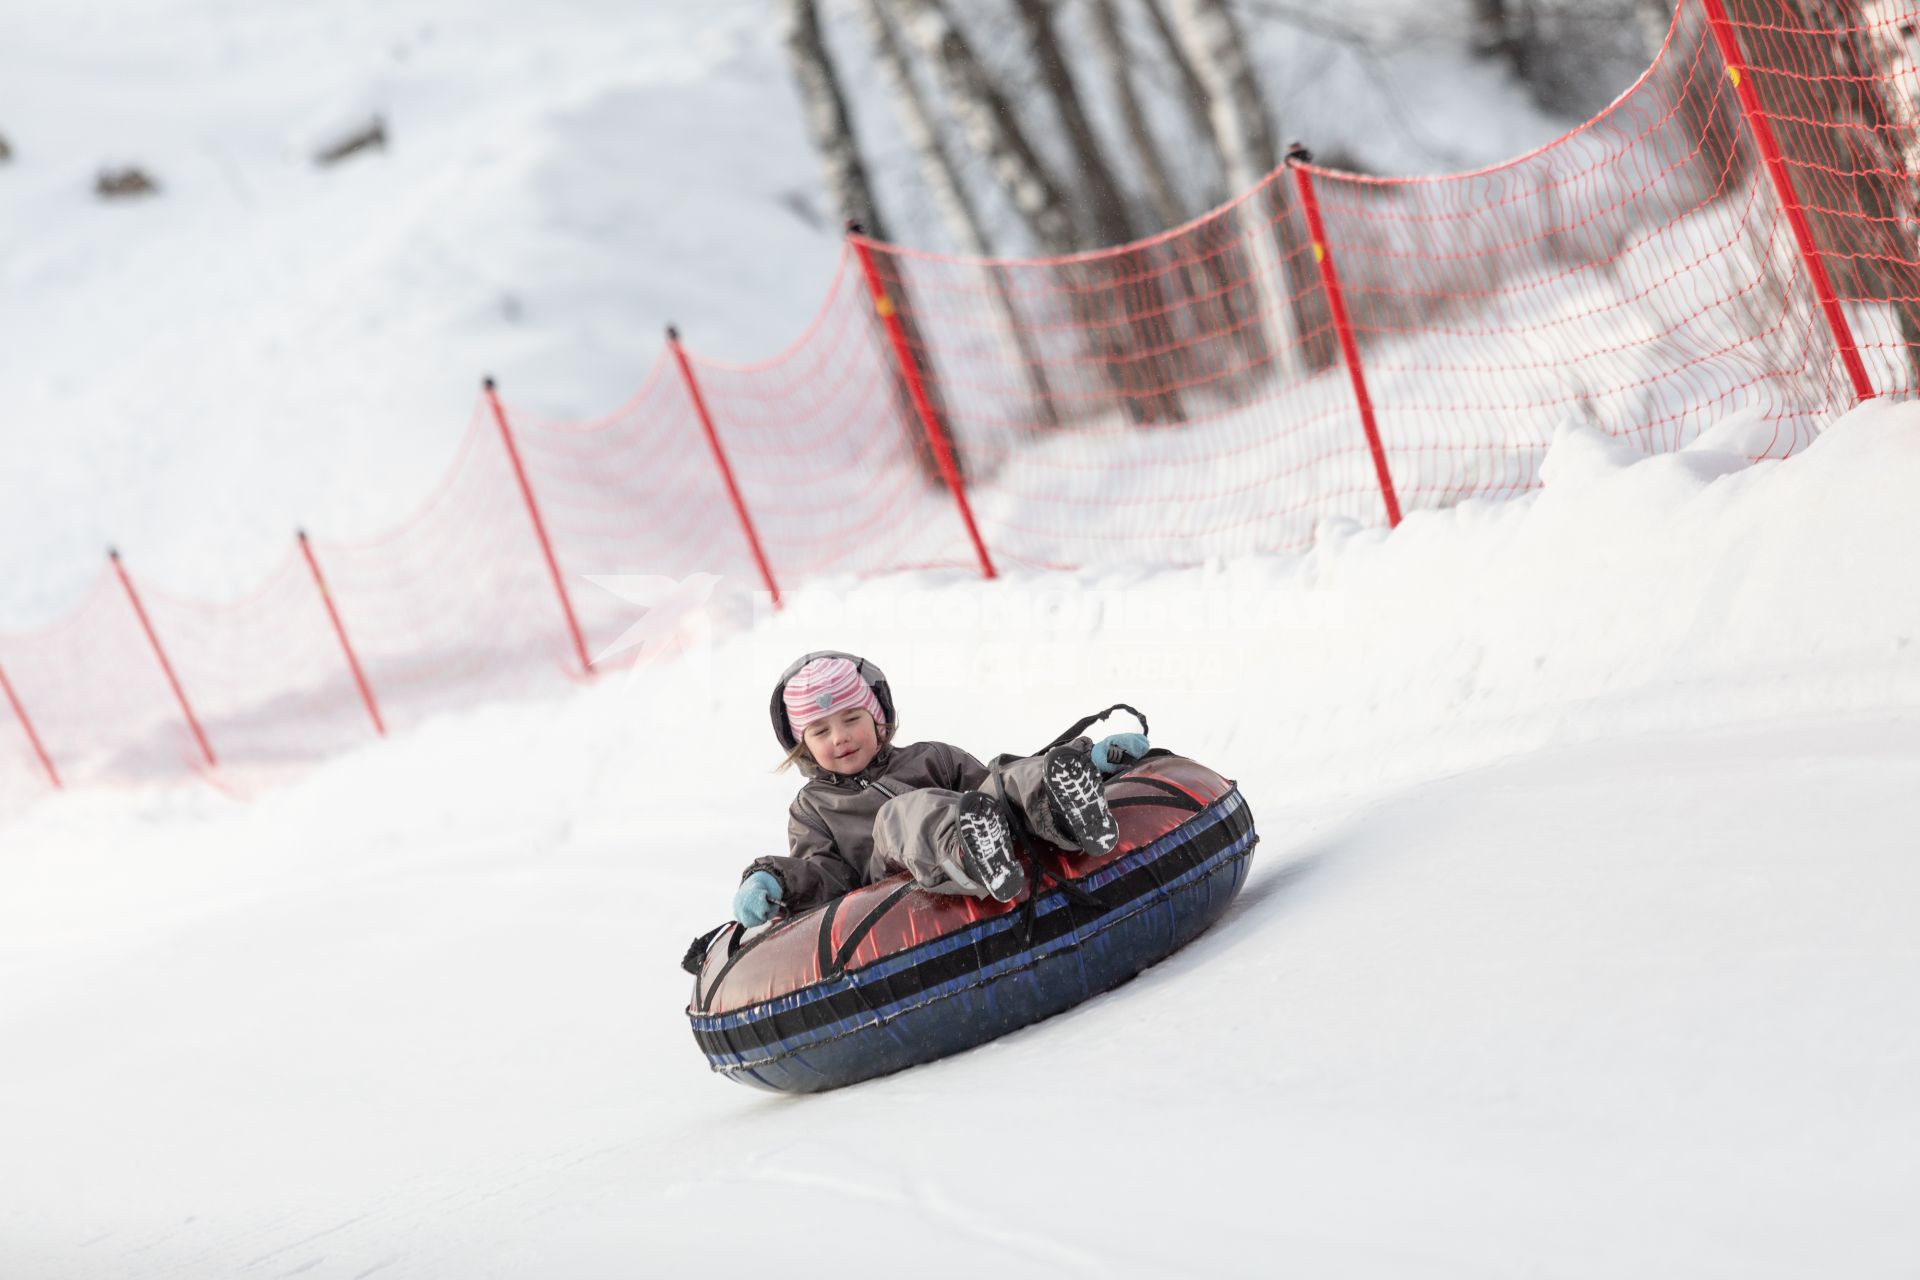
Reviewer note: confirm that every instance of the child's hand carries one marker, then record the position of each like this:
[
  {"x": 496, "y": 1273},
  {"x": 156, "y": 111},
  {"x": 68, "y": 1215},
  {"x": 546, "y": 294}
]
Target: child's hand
[
  {"x": 1115, "y": 752},
  {"x": 754, "y": 900}
]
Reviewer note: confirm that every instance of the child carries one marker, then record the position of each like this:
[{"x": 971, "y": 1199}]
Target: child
[{"x": 870, "y": 809}]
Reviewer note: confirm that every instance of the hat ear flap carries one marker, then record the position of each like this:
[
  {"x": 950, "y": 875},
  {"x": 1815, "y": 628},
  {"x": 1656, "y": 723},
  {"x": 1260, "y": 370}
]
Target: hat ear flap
[{"x": 782, "y": 727}]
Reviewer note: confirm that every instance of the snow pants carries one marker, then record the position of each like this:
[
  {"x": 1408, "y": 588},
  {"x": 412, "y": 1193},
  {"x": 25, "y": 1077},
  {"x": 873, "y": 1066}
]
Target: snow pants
[{"x": 917, "y": 831}]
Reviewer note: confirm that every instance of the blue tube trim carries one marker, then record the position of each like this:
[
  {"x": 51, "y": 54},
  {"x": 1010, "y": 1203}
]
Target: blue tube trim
[
  {"x": 765, "y": 1054},
  {"x": 1221, "y": 809}
]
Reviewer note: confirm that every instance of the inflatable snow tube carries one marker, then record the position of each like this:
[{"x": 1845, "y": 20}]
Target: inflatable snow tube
[{"x": 887, "y": 976}]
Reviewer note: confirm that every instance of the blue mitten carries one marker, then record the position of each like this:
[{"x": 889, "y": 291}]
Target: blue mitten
[
  {"x": 1116, "y": 751},
  {"x": 753, "y": 900}
]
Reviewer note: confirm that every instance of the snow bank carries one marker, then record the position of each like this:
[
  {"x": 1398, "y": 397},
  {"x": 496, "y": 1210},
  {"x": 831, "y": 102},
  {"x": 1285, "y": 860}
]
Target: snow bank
[{"x": 1579, "y": 942}]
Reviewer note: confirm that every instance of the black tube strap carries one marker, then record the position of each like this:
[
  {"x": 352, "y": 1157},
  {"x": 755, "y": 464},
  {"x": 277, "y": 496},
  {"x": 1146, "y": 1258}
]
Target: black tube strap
[
  {"x": 861, "y": 930},
  {"x": 696, "y": 956},
  {"x": 1181, "y": 796},
  {"x": 1184, "y": 803},
  {"x": 1086, "y": 721},
  {"x": 826, "y": 935},
  {"x": 734, "y": 952}
]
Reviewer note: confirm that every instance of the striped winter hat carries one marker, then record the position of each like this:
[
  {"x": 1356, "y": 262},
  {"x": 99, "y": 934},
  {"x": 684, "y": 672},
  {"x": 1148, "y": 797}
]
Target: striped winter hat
[{"x": 824, "y": 686}]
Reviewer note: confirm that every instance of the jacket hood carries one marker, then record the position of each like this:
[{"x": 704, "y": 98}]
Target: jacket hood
[{"x": 875, "y": 678}]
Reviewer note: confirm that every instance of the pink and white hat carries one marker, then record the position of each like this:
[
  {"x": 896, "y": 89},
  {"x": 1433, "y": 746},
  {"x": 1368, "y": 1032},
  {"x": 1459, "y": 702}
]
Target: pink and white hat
[{"x": 824, "y": 686}]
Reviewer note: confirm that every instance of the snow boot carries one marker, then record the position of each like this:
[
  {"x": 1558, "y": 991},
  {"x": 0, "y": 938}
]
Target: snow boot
[
  {"x": 986, "y": 847},
  {"x": 1080, "y": 802}
]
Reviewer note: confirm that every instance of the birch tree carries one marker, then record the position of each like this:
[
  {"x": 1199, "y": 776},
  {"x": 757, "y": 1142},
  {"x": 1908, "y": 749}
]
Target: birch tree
[
  {"x": 1237, "y": 114},
  {"x": 988, "y": 122},
  {"x": 830, "y": 126},
  {"x": 1105, "y": 213},
  {"x": 1130, "y": 318},
  {"x": 829, "y": 123},
  {"x": 957, "y": 207},
  {"x": 1110, "y": 46},
  {"x": 1193, "y": 94},
  {"x": 1205, "y": 265},
  {"x": 937, "y": 168}
]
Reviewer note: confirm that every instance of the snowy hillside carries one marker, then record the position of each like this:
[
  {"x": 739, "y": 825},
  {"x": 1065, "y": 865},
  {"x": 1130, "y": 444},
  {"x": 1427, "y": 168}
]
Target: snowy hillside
[
  {"x": 1579, "y": 942},
  {"x": 268, "y": 337}
]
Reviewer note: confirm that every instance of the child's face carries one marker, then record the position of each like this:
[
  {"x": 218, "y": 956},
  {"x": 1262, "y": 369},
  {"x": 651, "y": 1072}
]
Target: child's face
[{"x": 844, "y": 742}]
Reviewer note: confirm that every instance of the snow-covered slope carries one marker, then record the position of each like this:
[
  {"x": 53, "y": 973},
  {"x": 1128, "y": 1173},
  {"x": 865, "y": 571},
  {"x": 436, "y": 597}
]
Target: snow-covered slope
[
  {"x": 1579, "y": 942},
  {"x": 269, "y": 341}
]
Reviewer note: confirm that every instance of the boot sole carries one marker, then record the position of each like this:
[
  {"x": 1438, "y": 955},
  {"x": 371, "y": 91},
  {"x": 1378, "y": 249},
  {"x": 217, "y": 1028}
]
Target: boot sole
[
  {"x": 1074, "y": 786},
  {"x": 986, "y": 847}
]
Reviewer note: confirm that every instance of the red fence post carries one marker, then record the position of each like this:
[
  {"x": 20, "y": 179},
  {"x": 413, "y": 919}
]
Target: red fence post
[
  {"x": 340, "y": 631},
  {"x": 20, "y": 712},
  {"x": 720, "y": 460},
  {"x": 1297, "y": 160},
  {"x": 539, "y": 525},
  {"x": 917, "y": 389},
  {"x": 173, "y": 681},
  {"x": 1723, "y": 35}
]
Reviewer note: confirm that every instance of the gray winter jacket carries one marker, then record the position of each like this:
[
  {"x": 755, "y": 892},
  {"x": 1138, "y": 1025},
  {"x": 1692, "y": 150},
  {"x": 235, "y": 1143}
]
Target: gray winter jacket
[{"x": 830, "y": 824}]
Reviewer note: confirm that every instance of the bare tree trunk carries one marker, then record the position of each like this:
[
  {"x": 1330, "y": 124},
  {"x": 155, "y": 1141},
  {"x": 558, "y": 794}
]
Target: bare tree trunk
[
  {"x": 1236, "y": 111},
  {"x": 942, "y": 177},
  {"x": 962, "y": 215},
  {"x": 1231, "y": 309},
  {"x": 988, "y": 121},
  {"x": 1238, "y": 115},
  {"x": 1138, "y": 343},
  {"x": 1193, "y": 95},
  {"x": 1105, "y": 212},
  {"x": 829, "y": 124},
  {"x": 1204, "y": 274},
  {"x": 1110, "y": 43},
  {"x": 1502, "y": 29},
  {"x": 831, "y": 127}
]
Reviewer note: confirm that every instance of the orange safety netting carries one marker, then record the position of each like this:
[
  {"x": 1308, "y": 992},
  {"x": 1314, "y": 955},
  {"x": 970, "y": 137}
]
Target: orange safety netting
[{"x": 1736, "y": 234}]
